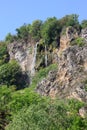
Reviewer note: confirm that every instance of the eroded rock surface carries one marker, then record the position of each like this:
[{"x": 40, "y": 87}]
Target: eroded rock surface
[
  {"x": 84, "y": 34},
  {"x": 24, "y": 55},
  {"x": 69, "y": 80},
  {"x": 65, "y": 39}
]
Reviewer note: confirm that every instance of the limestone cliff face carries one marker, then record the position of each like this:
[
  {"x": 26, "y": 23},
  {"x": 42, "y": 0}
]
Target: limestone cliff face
[
  {"x": 69, "y": 35},
  {"x": 84, "y": 34},
  {"x": 27, "y": 55},
  {"x": 69, "y": 81},
  {"x": 24, "y": 54}
]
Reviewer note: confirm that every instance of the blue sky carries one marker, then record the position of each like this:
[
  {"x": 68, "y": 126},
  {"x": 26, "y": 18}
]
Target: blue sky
[{"x": 14, "y": 13}]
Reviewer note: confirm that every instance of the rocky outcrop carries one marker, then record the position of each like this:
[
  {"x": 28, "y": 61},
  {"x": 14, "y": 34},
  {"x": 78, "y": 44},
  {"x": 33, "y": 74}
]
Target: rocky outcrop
[
  {"x": 24, "y": 54},
  {"x": 69, "y": 80},
  {"x": 47, "y": 85},
  {"x": 84, "y": 34},
  {"x": 83, "y": 112},
  {"x": 28, "y": 56},
  {"x": 70, "y": 34}
]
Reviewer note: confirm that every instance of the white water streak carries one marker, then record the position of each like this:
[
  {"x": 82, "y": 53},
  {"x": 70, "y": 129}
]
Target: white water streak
[
  {"x": 45, "y": 55},
  {"x": 34, "y": 59}
]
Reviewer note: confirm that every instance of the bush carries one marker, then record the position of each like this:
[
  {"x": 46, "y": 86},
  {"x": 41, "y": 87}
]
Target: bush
[
  {"x": 43, "y": 116},
  {"x": 4, "y": 56},
  {"x": 48, "y": 115},
  {"x": 23, "y": 98},
  {"x": 9, "y": 38},
  {"x": 11, "y": 74},
  {"x": 35, "y": 30},
  {"x": 78, "y": 41},
  {"x": 84, "y": 24},
  {"x": 5, "y": 98}
]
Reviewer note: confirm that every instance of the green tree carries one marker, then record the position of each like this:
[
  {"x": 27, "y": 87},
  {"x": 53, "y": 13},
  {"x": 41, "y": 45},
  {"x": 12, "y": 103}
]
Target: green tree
[
  {"x": 10, "y": 38},
  {"x": 51, "y": 30},
  {"x": 36, "y": 30},
  {"x": 43, "y": 116},
  {"x": 69, "y": 20},
  {"x": 5, "y": 98},
  {"x": 49, "y": 115},
  {"x": 23, "y": 32},
  {"x": 4, "y": 56},
  {"x": 11, "y": 74},
  {"x": 84, "y": 24}
]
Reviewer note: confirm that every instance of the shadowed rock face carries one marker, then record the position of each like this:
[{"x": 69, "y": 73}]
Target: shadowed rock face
[{"x": 68, "y": 81}]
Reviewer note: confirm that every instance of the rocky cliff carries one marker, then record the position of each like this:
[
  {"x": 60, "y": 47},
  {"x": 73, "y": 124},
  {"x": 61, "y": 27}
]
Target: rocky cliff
[
  {"x": 24, "y": 54},
  {"x": 70, "y": 80},
  {"x": 30, "y": 56}
]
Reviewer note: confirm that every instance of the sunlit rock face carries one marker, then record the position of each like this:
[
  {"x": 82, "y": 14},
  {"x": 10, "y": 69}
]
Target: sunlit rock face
[
  {"x": 84, "y": 34},
  {"x": 24, "y": 54},
  {"x": 69, "y": 80},
  {"x": 69, "y": 34}
]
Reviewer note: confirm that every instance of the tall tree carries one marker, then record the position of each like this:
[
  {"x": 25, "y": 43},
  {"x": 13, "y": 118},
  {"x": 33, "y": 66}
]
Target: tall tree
[
  {"x": 51, "y": 30},
  {"x": 84, "y": 24},
  {"x": 36, "y": 30},
  {"x": 23, "y": 32},
  {"x": 11, "y": 74}
]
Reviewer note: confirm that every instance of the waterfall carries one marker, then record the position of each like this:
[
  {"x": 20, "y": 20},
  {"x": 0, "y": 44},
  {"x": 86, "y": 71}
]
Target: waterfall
[
  {"x": 34, "y": 59},
  {"x": 45, "y": 55}
]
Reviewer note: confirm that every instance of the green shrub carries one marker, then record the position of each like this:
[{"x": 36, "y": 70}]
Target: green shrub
[
  {"x": 78, "y": 41},
  {"x": 10, "y": 38},
  {"x": 4, "y": 56},
  {"x": 48, "y": 115},
  {"x": 23, "y": 98},
  {"x": 84, "y": 24},
  {"x": 11, "y": 74},
  {"x": 42, "y": 116},
  {"x": 5, "y": 98}
]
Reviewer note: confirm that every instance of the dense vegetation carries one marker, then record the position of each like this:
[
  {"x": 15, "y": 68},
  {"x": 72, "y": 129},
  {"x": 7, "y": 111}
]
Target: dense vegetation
[
  {"x": 49, "y": 115},
  {"x": 22, "y": 108},
  {"x": 27, "y": 110},
  {"x": 48, "y": 30},
  {"x": 11, "y": 74},
  {"x": 4, "y": 56}
]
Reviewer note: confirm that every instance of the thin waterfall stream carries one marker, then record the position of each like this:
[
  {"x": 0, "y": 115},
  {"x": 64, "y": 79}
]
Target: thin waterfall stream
[
  {"x": 34, "y": 59},
  {"x": 45, "y": 55}
]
